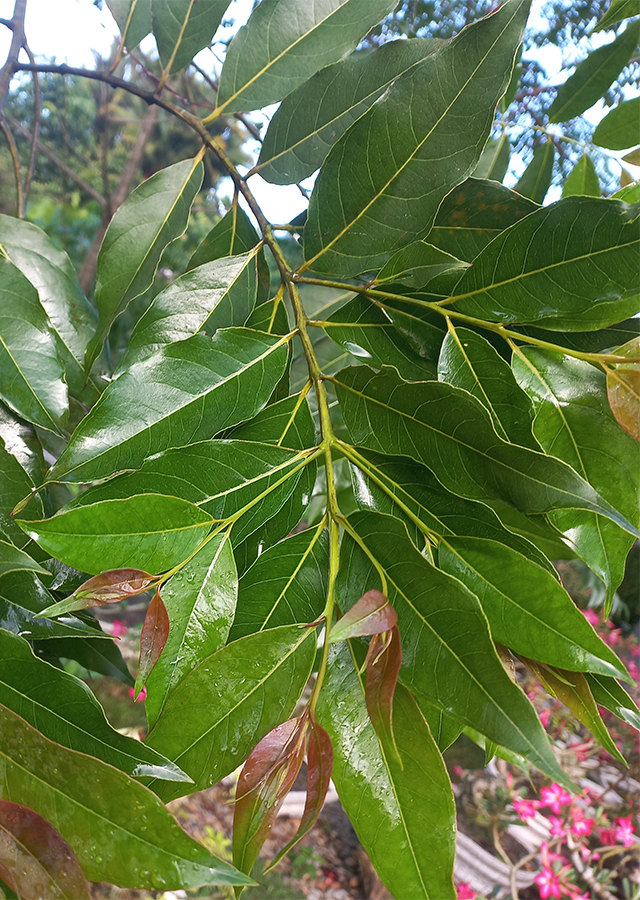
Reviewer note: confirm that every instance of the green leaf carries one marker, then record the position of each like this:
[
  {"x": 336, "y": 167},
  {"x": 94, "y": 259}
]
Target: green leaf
[
  {"x": 191, "y": 391},
  {"x": 288, "y": 423},
  {"x": 382, "y": 183},
  {"x": 63, "y": 709},
  {"x": 594, "y": 75},
  {"x": 450, "y": 432},
  {"x": 287, "y": 584},
  {"x": 31, "y": 377},
  {"x": 469, "y": 361},
  {"x": 155, "y": 214},
  {"x": 572, "y": 265},
  {"x": 583, "y": 179},
  {"x": 99, "y": 656},
  {"x": 416, "y": 264},
  {"x": 448, "y": 656},
  {"x": 536, "y": 178},
  {"x": 184, "y": 27},
  {"x": 14, "y": 560},
  {"x": 201, "y": 602},
  {"x": 231, "y": 236},
  {"x": 404, "y": 817},
  {"x": 620, "y": 128},
  {"x": 618, "y": 10},
  {"x": 216, "y": 295},
  {"x": 101, "y": 813},
  {"x": 230, "y": 701},
  {"x": 312, "y": 118},
  {"x": 15, "y": 485},
  {"x": 415, "y": 488},
  {"x": 36, "y": 861},
  {"x": 494, "y": 161},
  {"x": 623, "y": 389},
  {"x": 528, "y": 609},
  {"x": 364, "y": 331},
  {"x": 148, "y": 532},
  {"x": 133, "y": 18},
  {"x": 473, "y": 214},
  {"x": 71, "y": 316},
  {"x": 574, "y": 422},
  {"x": 608, "y": 693},
  {"x": 606, "y": 339},
  {"x": 284, "y": 43}
]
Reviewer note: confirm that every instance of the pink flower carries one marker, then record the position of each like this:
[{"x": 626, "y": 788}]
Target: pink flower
[
  {"x": 141, "y": 696},
  {"x": 118, "y": 628},
  {"x": 625, "y": 832},
  {"x": 582, "y": 827},
  {"x": 636, "y": 651},
  {"x": 608, "y": 836},
  {"x": 634, "y": 671},
  {"x": 545, "y": 715},
  {"x": 458, "y": 771},
  {"x": 613, "y": 637},
  {"x": 557, "y": 826},
  {"x": 526, "y": 809},
  {"x": 555, "y": 796},
  {"x": 548, "y": 883},
  {"x": 466, "y": 892},
  {"x": 591, "y": 617}
]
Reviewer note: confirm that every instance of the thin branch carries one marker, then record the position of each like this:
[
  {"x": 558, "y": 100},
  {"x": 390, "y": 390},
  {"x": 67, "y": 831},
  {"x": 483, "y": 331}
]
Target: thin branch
[
  {"x": 11, "y": 65},
  {"x": 42, "y": 148}
]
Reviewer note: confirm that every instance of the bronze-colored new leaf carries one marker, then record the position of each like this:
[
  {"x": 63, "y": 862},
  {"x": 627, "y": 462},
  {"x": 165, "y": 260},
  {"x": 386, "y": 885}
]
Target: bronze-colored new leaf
[
  {"x": 623, "y": 389},
  {"x": 153, "y": 637},
  {"x": 372, "y": 614},
  {"x": 384, "y": 659},
  {"x": 108, "y": 587},
  {"x": 265, "y": 780},
  {"x": 35, "y": 860}
]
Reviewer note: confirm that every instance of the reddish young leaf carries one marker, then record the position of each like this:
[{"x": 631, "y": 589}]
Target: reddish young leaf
[
  {"x": 153, "y": 637},
  {"x": 384, "y": 658},
  {"x": 319, "y": 766},
  {"x": 623, "y": 389},
  {"x": 35, "y": 860},
  {"x": 264, "y": 782},
  {"x": 108, "y": 587},
  {"x": 372, "y": 614}
]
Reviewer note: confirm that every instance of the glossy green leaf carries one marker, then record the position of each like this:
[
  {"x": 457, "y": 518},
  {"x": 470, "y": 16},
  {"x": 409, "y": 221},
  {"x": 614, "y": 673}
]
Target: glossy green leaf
[
  {"x": 14, "y": 560},
  {"x": 186, "y": 392},
  {"x": 574, "y": 422},
  {"x": 618, "y": 10},
  {"x": 312, "y": 118},
  {"x": 15, "y": 485},
  {"x": 155, "y": 214},
  {"x": 608, "y": 693},
  {"x": 605, "y": 339},
  {"x": 31, "y": 376},
  {"x": 149, "y": 532},
  {"x": 416, "y": 264},
  {"x": 536, "y": 178},
  {"x": 623, "y": 389},
  {"x": 21, "y": 442},
  {"x": 95, "y": 808},
  {"x": 231, "y": 236},
  {"x": 594, "y": 75},
  {"x": 473, "y": 214},
  {"x": 572, "y": 689},
  {"x": 620, "y": 128},
  {"x": 71, "y": 316},
  {"x": 22, "y": 597},
  {"x": 422, "y": 329},
  {"x": 286, "y": 584},
  {"x": 230, "y": 701},
  {"x": 583, "y": 179},
  {"x": 410, "y": 836},
  {"x": 219, "y": 294},
  {"x": 382, "y": 183},
  {"x": 469, "y": 361},
  {"x": 99, "y": 656},
  {"x": 35, "y": 860},
  {"x": 494, "y": 161},
  {"x": 448, "y": 656},
  {"x": 528, "y": 609},
  {"x": 572, "y": 265},
  {"x": 288, "y": 423},
  {"x": 63, "y": 709},
  {"x": 184, "y": 27},
  {"x": 450, "y": 432},
  {"x": 409, "y": 485},
  {"x": 366, "y": 332},
  {"x": 133, "y": 18},
  {"x": 220, "y": 477},
  {"x": 201, "y": 602},
  {"x": 284, "y": 43}
]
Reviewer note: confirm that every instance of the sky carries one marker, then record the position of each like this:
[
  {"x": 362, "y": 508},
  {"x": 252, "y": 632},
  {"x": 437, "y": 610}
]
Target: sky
[{"x": 70, "y": 30}]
